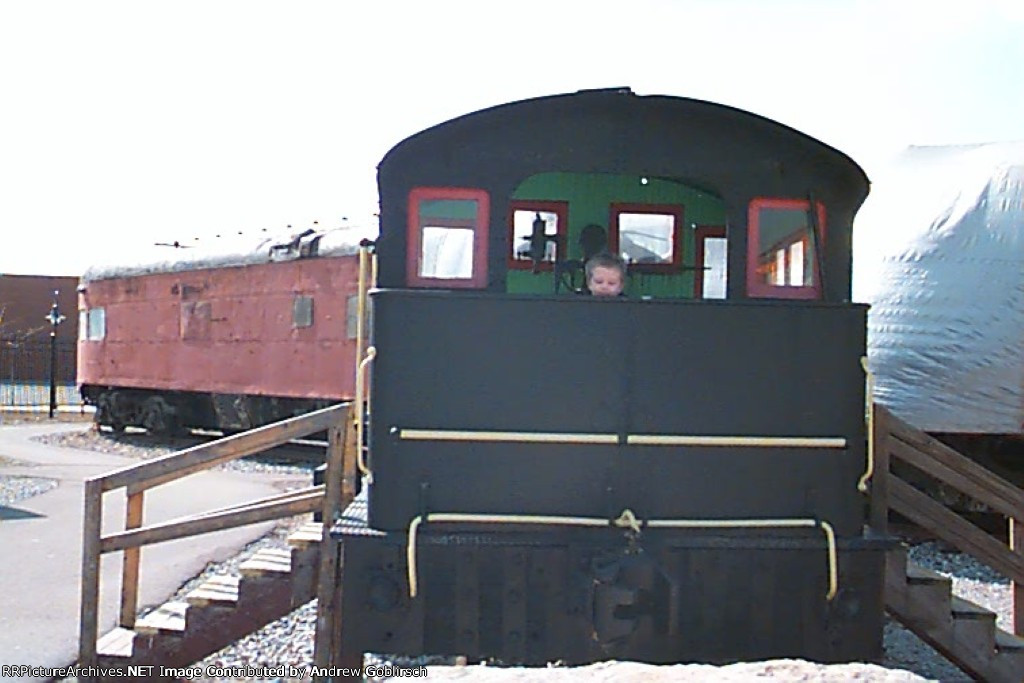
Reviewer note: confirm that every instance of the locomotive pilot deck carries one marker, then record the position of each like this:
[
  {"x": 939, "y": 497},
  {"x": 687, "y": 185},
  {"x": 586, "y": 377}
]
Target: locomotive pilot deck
[{"x": 583, "y": 595}]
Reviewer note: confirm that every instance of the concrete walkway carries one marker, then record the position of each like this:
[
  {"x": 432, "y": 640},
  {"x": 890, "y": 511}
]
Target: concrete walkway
[{"x": 41, "y": 542}]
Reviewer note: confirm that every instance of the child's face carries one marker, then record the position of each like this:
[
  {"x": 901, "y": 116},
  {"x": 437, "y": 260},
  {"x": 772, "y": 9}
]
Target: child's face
[{"x": 605, "y": 281}]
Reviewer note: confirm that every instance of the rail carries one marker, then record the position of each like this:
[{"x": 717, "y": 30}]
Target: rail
[
  {"x": 898, "y": 443},
  {"x": 137, "y": 479}
]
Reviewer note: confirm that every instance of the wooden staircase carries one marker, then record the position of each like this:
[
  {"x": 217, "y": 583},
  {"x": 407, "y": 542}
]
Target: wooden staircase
[
  {"x": 907, "y": 467},
  {"x": 965, "y": 633},
  {"x": 224, "y": 608}
]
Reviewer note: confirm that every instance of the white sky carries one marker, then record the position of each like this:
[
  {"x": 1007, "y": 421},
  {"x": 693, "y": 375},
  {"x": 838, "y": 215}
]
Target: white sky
[{"x": 132, "y": 122}]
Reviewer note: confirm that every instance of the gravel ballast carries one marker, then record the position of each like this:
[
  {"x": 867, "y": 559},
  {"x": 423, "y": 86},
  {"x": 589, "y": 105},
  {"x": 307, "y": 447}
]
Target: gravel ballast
[{"x": 14, "y": 489}]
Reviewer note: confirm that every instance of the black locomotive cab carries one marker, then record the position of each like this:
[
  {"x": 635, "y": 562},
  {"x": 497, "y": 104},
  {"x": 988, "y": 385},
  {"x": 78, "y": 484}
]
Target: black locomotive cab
[
  {"x": 702, "y": 200},
  {"x": 671, "y": 475}
]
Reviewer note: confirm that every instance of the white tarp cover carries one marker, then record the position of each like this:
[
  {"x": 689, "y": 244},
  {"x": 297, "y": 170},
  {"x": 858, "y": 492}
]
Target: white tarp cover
[
  {"x": 231, "y": 251},
  {"x": 939, "y": 255}
]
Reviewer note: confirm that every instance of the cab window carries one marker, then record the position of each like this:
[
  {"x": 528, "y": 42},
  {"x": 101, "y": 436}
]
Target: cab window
[
  {"x": 547, "y": 221},
  {"x": 447, "y": 244},
  {"x": 785, "y": 240},
  {"x": 647, "y": 236},
  {"x": 711, "y": 260}
]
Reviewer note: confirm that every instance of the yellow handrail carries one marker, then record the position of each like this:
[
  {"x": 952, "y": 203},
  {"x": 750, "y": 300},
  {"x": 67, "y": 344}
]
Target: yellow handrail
[
  {"x": 631, "y": 439},
  {"x": 371, "y": 353},
  {"x": 869, "y": 469},
  {"x": 626, "y": 520},
  {"x": 361, "y": 290},
  {"x": 509, "y": 437},
  {"x": 367, "y": 278}
]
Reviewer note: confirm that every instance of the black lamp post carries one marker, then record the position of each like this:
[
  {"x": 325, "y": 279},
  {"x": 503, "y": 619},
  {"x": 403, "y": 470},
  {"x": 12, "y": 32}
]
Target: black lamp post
[{"x": 55, "y": 319}]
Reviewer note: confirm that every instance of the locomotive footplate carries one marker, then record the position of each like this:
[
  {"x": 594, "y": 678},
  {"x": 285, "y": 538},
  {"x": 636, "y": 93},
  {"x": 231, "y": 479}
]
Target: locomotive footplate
[{"x": 578, "y": 595}]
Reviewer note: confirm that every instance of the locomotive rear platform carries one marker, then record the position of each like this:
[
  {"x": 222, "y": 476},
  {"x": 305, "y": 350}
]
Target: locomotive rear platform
[{"x": 585, "y": 595}]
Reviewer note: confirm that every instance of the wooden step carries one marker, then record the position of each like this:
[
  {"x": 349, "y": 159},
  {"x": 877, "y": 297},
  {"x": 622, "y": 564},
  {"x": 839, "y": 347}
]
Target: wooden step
[
  {"x": 925, "y": 584},
  {"x": 1010, "y": 651},
  {"x": 167, "y": 619},
  {"x": 961, "y": 630},
  {"x": 916, "y": 574},
  {"x": 267, "y": 562},
  {"x": 896, "y": 563},
  {"x": 219, "y": 591},
  {"x": 310, "y": 533},
  {"x": 965, "y": 609},
  {"x": 118, "y": 643},
  {"x": 973, "y": 625},
  {"x": 1007, "y": 642}
]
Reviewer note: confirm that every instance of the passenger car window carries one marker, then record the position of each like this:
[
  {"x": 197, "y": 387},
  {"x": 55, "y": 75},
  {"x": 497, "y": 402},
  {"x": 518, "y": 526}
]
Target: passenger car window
[
  {"x": 96, "y": 324},
  {"x": 302, "y": 311},
  {"x": 195, "y": 320}
]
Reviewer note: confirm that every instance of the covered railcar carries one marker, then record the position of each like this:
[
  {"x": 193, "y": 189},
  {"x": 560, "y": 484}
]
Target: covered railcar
[
  {"x": 229, "y": 337},
  {"x": 673, "y": 475},
  {"x": 940, "y": 257}
]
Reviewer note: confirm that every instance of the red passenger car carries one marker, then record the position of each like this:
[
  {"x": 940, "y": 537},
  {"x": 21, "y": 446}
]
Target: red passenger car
[{"x": 227, "y": 339}]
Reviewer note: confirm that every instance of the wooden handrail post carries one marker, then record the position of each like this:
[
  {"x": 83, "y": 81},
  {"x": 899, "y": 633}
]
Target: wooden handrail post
[
  {"x": 879, "y": 503},
  {"x": 130, "y": 562},
  {"x": 349, "y": 473},
  {"x": 92, "y": 524},
  {"x": 339, "y": 452},
  {"x": 1017, "y": 589}
]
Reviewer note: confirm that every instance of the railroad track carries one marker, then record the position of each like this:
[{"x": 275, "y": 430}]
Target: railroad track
[{"x": 299, "y": 452}]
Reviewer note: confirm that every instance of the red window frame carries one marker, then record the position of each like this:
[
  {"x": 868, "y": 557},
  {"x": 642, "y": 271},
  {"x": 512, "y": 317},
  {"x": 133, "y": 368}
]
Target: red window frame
[
  {"x": 702, "y": 233},
  {"x": 675, "y": 210},
  {"x": 559, "y": 208},
  {"x": 764, "y": 289},
  {"x": 478, "y": 279}
]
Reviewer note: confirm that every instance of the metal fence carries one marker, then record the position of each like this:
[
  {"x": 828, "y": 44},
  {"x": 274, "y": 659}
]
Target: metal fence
[{"x": 25, "y": 371}]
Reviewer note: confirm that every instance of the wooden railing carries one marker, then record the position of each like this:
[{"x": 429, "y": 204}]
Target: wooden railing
[
  {"x": 897, "y": 442},
  {"x": 138, "y": 478}
]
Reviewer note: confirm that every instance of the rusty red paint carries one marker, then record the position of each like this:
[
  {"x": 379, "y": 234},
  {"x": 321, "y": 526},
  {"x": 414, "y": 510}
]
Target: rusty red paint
[{"x": 226, "y": 330}]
